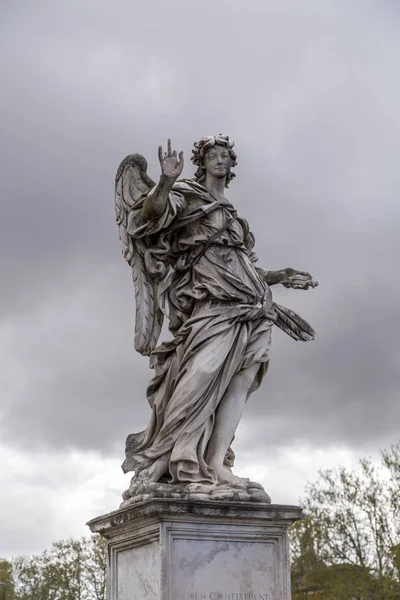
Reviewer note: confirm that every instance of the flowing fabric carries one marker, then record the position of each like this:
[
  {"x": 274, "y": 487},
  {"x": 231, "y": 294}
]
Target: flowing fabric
[{"x": 217, "y": 305}]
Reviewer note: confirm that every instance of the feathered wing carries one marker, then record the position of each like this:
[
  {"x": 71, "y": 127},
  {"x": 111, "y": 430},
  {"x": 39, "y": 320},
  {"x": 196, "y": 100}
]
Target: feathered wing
[
  {"x": 292, "y": 324},
  {"x": 131, "y": 183}
]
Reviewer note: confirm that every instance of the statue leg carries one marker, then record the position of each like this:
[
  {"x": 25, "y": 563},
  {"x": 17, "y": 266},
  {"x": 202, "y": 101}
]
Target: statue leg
[{"x": 227, "y": 419}]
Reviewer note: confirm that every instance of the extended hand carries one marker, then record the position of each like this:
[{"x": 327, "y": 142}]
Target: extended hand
[
  {"x": 298, "y": 280},
  {"x": 171, "y": 167}
]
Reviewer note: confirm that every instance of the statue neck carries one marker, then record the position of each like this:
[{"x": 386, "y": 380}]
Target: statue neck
[{"x": 215, "y": 185}]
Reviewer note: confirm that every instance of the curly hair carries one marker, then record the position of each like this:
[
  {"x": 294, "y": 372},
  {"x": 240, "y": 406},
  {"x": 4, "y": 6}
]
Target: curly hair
[{"x": 203, "y": 146}]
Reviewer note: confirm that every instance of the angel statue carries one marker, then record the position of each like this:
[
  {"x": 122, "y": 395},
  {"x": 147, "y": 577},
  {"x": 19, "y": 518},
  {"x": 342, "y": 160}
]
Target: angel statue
[{"x": 193, "y": 262}]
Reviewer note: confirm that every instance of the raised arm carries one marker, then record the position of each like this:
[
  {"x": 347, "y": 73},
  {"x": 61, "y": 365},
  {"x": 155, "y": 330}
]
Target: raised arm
[{"x": 171, "y": 168}]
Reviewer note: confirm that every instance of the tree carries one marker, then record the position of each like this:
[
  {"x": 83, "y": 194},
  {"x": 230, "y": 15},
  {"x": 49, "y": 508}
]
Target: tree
[
  {"x": 70, "y": 570},
  {"x": 349, "y": 545},
  {"x": 308, "y": 569},
  {"x": 95, "y": 567},
  {"x": 35, "y": 578},
  {"x": 7, "y": 591}
]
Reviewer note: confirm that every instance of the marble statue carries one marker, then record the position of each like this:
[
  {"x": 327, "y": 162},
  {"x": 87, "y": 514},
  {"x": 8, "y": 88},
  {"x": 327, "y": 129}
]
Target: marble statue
[{"x": 193, "y": 263}]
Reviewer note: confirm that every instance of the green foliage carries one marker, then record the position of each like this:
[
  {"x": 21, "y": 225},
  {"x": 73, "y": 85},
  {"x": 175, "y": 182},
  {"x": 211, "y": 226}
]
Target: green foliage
[
  {"x": 70, "y": 570},
  {"x": 348, "y": 547},
  {"x": 7, "y": 591}
]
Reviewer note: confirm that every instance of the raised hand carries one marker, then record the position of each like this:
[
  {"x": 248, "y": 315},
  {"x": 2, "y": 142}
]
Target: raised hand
[{"x": 171, "y": 167}]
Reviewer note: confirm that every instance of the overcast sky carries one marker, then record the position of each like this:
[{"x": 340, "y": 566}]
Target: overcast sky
[{"x": 309, "y": 90}]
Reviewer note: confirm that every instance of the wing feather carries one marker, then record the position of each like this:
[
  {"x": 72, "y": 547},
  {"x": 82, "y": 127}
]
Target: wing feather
[
  {"x": 131, "y": 183},
  {"x": 292, "y": 324}
]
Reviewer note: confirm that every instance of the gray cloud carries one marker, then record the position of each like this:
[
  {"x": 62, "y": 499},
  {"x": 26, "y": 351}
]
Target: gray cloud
[{"x": 310, "y": 94}]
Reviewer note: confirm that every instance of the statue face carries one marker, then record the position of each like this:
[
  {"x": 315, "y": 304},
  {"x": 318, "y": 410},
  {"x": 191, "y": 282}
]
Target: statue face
[{"x": 217, "y": 161}]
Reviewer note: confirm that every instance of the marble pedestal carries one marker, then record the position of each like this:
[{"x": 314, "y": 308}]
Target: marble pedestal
[{"x": 164, "y": 549}]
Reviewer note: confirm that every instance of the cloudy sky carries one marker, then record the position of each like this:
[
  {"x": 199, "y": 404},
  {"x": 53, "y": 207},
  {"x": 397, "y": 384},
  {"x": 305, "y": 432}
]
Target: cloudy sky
[{"x": 310, "y": 92}]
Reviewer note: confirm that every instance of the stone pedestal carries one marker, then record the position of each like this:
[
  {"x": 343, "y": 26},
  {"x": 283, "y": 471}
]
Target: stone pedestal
[{"x": 163, "y": 549}]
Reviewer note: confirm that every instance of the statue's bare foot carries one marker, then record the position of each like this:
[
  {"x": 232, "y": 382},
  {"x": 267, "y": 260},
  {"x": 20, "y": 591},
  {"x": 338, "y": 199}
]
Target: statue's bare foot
[
  {"x": 225, "y": 475},
  {"x": 154, "y": 473}
]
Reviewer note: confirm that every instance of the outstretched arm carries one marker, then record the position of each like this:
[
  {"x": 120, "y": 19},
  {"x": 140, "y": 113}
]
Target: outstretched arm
[
  {"x": 271, "y": 277},
  {"x": 171, "y": 168}
]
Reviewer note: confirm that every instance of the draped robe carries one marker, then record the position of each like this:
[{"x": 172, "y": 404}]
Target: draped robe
[{"x": 217, "y": 305}]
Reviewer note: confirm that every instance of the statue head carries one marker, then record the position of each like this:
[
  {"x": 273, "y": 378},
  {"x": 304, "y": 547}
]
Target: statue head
[{"x": 204, "y": 147}]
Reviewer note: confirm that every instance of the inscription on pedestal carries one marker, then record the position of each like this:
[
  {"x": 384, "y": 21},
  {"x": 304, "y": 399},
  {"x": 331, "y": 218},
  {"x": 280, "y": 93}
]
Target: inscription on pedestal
[{"x": 227, "y": 596}]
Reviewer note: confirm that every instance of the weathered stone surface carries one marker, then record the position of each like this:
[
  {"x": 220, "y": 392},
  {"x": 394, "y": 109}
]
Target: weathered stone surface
[
  {"x": 193, "y": 262},
  {"x": 192, "y": 550},
  {"x": 243, "y": 489}
]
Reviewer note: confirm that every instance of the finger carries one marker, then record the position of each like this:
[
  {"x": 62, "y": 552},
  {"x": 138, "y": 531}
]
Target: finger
[
  {"x": 169, "y": 151},
  {"x": 181, "y": 158},
  {"x": 175, "y": 154},
  {"x": 305, "y": 273},
  {"x": 160, "y": 156}
]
